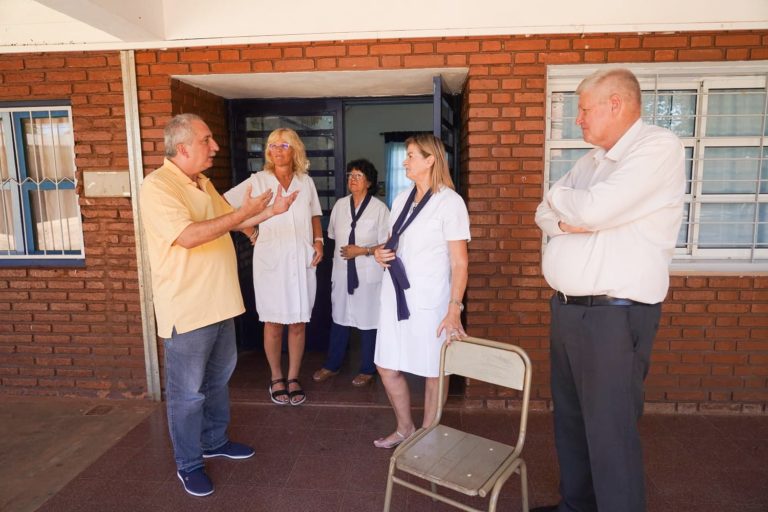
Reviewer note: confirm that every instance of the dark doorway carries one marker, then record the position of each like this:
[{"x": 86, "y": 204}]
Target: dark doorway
[
  {"x": 319, "y": 124},
  {"x": 334, "y": 131}
]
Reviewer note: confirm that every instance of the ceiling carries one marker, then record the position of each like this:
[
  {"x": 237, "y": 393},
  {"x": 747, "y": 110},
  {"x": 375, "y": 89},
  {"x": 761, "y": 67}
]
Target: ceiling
[
  {"x": 66, "y": 25},
  {"x": 328, "y": 84}
]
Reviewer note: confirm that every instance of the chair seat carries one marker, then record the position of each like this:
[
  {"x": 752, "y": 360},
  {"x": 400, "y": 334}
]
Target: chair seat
[{"x": 454, "y": 459}]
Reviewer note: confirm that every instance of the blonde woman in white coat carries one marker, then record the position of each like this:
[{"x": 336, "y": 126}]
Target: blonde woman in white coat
[{"x": 285, "y": 256}]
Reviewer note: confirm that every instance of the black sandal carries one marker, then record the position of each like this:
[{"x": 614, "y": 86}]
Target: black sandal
[
  {"x": 298, "y": 392},
  {"x": 280, "y": 392}
]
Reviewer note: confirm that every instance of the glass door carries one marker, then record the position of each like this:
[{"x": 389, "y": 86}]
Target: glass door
[{"x": 319, "y": 125}]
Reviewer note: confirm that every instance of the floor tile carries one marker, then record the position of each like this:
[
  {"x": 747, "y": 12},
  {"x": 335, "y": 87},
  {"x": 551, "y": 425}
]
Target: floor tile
[
  {"x": 356, "y": 501},
  {"x": 262, "y": 470},
  {"x": 318, "y": 472},
  {"x": 302, "y": 500}
]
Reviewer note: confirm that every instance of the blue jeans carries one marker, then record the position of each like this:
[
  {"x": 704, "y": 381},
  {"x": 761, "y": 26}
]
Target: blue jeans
[
  {"x": 337, "y": 347},
  {"x": 198, "y": 365}
]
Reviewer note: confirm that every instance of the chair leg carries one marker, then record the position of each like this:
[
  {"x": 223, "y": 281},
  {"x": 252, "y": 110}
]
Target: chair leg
[
  {"x": 492, "y": 501},
  {"x": 524, "y": 485},
  {"x": 388, "y": 495}
]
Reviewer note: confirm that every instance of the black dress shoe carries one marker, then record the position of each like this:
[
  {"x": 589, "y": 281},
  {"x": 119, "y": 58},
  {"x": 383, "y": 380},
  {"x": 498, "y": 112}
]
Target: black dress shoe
[{"x": 550, "y": 508}]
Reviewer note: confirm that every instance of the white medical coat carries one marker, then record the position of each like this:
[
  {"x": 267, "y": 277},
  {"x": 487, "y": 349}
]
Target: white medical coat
[
  {"x": 412, "y": 345},
  {"x": 284, "y": 281},
  {"x": 361, "y": 309}
]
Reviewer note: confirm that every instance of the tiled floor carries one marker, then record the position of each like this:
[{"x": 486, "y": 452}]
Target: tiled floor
[
  {"x": 319, "y": 457},
  {"x": 48, "y": 441}
]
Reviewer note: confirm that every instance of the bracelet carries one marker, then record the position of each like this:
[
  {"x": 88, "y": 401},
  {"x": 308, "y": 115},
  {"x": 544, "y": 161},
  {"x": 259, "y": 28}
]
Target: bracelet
[
  {"x": 458, "y": 303},
  {"x": 255, "y": 234},
  {"x": 320, "y": 239},
  {"x": 368, "y": 251}
]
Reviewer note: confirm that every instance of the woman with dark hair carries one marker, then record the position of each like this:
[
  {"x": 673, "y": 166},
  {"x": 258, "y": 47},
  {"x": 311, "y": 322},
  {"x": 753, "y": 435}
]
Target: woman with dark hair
[
  {"x": 421, "y": 299},
  {"x": 358, "y": 224},
  {"x": 287, "y": 250}
]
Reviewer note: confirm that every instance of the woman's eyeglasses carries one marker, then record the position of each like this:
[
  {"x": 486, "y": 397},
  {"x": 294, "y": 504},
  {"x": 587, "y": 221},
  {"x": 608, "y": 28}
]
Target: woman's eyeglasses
[
  {"x": 279, "y": 145},
  {"x": 355, "y": 176}
]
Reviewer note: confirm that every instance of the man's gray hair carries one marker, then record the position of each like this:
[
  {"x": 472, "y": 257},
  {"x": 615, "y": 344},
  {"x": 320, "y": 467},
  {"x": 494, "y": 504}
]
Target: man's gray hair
[
  {"x": 179, "y": 131},
  {"x": 624, "y": 82}
]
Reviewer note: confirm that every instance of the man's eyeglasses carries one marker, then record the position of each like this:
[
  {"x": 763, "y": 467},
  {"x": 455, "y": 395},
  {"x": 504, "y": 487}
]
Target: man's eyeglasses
[
  {"x": 279, "y": 145},
  {"x": 355, "y": 176}
]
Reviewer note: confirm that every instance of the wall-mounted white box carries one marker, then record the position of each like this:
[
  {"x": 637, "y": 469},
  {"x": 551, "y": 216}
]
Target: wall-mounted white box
[{"x": 107, "y": 183}]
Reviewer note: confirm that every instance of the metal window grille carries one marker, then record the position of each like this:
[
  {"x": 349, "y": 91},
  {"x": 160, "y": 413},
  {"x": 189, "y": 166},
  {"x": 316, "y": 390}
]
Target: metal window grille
[{"x": 39, "y": 211}]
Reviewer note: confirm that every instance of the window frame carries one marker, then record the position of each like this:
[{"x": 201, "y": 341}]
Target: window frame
[
  {"x": 22, "y": 186},
  {"x": 700, "y": 78}
]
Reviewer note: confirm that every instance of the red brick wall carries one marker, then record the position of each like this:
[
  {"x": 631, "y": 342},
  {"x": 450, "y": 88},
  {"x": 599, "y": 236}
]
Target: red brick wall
[
  {"x": 66, "y": 331},
  {"x": 712, "y": 349},
  {"x": 710, "y": 356}
]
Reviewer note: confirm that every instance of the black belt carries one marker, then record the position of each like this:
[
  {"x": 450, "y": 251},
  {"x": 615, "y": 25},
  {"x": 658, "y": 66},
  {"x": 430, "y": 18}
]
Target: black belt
[{"x": 596, "y": 300}]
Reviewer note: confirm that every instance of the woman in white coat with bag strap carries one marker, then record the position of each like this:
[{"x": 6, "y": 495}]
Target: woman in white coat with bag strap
[
  {"x": 421, "y": 295},
  {"x": 359, "y": 223}
]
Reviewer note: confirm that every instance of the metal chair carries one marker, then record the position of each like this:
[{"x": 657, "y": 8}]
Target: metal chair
[{"x": 463, "y": 462}]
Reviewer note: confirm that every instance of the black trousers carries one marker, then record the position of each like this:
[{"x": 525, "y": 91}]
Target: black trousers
[{"x": 600, "y": 357}]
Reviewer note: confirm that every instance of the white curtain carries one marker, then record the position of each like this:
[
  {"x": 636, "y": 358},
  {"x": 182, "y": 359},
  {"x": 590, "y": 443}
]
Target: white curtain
[
  {"x": 396, "y": 180},
  {"x": 734, "y": 170},
  {"x": 49, "y": 147}
]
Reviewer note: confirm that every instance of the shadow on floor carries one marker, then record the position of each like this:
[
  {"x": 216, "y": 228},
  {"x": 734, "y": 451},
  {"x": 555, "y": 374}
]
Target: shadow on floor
[{"x": 48, "y": 441}]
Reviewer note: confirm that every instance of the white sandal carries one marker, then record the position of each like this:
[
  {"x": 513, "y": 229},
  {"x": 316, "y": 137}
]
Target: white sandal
[{"x": 383, "y": 443}]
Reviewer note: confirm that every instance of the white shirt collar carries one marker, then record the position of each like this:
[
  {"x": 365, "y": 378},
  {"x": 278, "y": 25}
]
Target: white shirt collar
[{"x": 616, "y": 153}]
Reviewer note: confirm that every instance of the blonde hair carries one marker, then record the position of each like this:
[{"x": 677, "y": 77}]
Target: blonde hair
[
  {"x": 620, "y": 81},
  {"x": 427, "y": 145},
  {"x": 300, "y": 161}
]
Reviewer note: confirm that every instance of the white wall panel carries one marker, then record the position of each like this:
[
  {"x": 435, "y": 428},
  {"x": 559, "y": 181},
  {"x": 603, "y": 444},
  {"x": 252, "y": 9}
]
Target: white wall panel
[{"x": 27, "y": 25}]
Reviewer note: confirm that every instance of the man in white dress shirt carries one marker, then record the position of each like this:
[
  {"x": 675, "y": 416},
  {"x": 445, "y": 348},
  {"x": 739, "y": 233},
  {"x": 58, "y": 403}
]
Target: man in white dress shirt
[{"x": 612, "y": 223}]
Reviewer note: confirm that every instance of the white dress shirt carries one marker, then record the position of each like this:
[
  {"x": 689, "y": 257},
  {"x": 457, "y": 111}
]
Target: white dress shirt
[{"x": 630, "y": 198}]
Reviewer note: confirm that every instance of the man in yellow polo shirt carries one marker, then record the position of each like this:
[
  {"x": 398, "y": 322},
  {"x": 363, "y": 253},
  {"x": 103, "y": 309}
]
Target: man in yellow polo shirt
[{"x": 196, "y": 293}]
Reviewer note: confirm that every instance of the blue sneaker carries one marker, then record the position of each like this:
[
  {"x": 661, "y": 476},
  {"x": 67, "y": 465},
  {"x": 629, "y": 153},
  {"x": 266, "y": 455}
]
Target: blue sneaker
[
  {"x": 230, "y": 450},
  {"x": 196, "y": 482}
]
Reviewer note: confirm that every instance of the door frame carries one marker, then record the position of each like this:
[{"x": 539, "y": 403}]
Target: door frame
[{"x": 237, "y": 109}]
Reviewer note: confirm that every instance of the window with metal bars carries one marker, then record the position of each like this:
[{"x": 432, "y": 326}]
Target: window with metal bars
[
  {"x": 720, "y": 114},
  {"x": 39, "y": 212}
]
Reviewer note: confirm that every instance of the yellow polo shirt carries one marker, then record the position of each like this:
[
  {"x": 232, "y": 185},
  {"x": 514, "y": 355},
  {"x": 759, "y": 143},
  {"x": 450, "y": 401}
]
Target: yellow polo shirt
[{"x": 192, "y": 288}]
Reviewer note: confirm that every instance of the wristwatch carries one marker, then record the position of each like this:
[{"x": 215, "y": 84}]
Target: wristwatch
[{"x": 457, "y": 303}]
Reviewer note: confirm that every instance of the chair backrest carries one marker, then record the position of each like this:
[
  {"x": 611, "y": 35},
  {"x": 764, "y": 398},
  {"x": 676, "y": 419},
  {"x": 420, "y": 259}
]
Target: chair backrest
[{"x": 488, "y": 361}]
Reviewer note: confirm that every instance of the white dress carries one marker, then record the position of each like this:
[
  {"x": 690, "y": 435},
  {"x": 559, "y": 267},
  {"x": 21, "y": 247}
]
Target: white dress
[
  {"x": 361, "y": 309},
  {"x": 412, "y": 345},
  {"x": 284, "y": 280}
]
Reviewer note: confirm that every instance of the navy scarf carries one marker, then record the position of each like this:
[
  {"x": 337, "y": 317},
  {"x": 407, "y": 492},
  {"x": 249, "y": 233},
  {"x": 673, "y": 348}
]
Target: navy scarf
[
  {"x": 396, "y": 268},
  {"x": 352, "y": 281}
]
